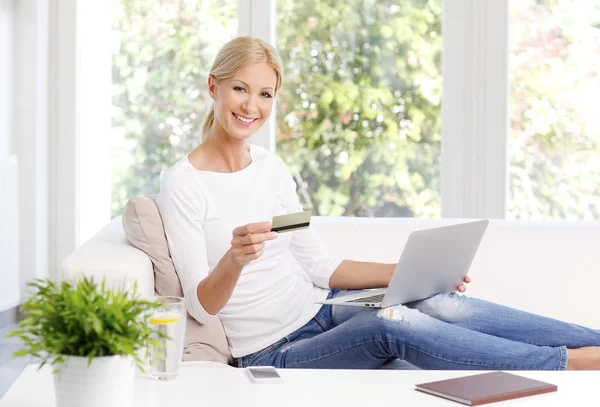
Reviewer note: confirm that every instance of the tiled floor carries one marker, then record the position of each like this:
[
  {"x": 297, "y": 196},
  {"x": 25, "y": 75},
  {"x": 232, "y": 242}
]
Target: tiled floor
[{"x": 10, "y": 368}]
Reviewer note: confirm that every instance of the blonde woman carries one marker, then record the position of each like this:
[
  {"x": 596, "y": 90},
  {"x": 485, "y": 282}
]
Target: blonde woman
[{"x": 216, "y": 205}]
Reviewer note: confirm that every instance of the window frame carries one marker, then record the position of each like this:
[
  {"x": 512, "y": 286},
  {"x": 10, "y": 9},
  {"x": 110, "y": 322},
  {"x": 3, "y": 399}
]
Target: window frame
[
  {"x": 257, "y": 18},
  {"x": 475, "y": 108},
  {"x": 63, "y": 133}
]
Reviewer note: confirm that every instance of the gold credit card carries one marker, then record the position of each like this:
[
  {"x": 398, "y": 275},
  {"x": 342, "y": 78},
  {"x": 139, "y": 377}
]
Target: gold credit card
[{"x": 291, "y": 222}]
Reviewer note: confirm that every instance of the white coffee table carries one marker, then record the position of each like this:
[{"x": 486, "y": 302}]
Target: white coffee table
[{"x": 203, "y": 386}]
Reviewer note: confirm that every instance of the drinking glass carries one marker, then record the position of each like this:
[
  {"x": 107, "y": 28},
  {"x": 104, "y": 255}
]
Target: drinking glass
[{"x": 166, "y": 355}]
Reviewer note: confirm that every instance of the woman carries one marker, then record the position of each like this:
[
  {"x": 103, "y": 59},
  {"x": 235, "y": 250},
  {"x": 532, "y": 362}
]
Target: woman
[{"x": 216, "y": 205}]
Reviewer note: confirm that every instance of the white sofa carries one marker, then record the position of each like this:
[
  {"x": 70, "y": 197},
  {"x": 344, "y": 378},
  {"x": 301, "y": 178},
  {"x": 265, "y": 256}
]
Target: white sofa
[{"x": 549, "y": 268}]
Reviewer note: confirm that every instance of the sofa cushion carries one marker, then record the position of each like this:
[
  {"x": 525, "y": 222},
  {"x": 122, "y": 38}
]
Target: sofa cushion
[{"x": 144, "y": 229}]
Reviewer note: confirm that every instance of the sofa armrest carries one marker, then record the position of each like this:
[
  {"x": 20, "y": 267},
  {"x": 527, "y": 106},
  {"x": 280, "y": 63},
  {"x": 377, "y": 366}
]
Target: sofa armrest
[{"x": 121, "y": 265}]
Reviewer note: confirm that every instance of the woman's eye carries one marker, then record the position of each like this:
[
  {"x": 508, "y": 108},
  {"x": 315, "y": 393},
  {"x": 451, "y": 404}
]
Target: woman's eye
[
  {"x": 266, "y": 95},
  {"x": 239, "y": 89}
]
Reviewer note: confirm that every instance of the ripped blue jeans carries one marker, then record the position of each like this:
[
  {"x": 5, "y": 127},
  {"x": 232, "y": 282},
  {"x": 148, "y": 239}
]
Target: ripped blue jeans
[{"x": 446, "y": 331}]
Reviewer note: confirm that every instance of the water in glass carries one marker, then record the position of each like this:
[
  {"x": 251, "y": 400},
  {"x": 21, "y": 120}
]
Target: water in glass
[{"x": 166, "y": 355}]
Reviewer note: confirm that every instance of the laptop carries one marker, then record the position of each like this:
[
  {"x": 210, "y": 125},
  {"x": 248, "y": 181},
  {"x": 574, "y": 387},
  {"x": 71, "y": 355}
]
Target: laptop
[{"x": 433, "y": 261}]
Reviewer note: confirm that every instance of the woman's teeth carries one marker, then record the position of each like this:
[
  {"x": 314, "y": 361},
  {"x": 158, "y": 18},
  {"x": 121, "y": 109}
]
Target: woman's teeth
[{"x": 243, "y": 119}]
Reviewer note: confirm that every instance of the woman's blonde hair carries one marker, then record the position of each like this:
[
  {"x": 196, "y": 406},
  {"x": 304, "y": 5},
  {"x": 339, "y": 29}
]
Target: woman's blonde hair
[{"x": 235, "y": 55}]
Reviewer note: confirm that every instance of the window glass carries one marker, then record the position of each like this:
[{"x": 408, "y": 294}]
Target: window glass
[
  {"x": 359, "y": 119},
  {"x": 554, "y": 144}
]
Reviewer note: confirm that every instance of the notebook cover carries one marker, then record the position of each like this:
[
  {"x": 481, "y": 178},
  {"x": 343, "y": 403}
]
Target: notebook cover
[{"x": 486, "y": 388}]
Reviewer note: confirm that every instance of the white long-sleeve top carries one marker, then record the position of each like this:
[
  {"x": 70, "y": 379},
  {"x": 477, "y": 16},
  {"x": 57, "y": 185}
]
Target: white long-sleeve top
[{"x": 275, "y": 294}]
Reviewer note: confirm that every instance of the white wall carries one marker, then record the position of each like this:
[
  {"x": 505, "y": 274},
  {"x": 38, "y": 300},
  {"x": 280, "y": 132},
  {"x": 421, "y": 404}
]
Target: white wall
[
  {"x": 9, "y": 274},
  {"x": 63, "y": 125},
  {"x": 30, "y": 135},
  {"x": 6, "y": 76},
  {"x": 79, "y": 87}
]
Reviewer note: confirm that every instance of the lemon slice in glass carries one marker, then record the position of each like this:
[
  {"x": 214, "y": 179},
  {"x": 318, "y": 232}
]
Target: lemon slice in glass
[{"x": 163, "y": 319}]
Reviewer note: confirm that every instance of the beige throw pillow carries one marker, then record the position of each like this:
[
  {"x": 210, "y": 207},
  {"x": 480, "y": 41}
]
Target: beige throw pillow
[{"x": 144, "y": 229}]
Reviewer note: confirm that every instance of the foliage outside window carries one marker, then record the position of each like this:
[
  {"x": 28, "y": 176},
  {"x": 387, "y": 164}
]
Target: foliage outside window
[
  {"x": 163, "y": 51},
  {"x": 359, "y": 116},
  {"x": 359, "y": 121},
  {"x": 554, "y": 144}
]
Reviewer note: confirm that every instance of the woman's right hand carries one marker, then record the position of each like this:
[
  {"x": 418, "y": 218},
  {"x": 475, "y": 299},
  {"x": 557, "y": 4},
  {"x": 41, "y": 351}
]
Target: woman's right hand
[{"x": 248, "y": 242}]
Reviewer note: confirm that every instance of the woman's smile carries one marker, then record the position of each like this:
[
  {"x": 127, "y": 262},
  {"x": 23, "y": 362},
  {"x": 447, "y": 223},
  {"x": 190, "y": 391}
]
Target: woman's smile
[{"x": 245, "y": 120}]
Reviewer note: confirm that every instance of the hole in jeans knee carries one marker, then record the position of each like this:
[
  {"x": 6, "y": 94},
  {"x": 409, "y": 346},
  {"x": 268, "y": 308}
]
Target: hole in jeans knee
[
  {"x": 391, "y": 314},
  {"x": 448, "y": 307}
]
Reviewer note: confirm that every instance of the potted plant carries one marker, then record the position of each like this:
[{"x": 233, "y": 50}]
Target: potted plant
[{"x": 91, "y": 335}]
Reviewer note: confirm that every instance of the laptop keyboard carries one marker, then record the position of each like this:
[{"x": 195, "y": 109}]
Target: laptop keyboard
[{"x": 373, "y": 298}]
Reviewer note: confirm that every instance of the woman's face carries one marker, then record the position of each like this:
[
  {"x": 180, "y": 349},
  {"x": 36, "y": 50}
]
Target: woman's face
[{"x": 244, "y": 102}]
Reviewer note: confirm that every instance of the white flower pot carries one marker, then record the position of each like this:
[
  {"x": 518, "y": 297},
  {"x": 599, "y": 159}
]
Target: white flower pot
[{"x": 108, "y": 381}]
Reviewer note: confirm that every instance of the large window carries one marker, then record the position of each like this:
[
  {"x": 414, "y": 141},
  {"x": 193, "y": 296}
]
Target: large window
[
  {"x": 554, "y": 142},
  {"x": 162, "y": 54},
  {"x": 359, "y": 116}
]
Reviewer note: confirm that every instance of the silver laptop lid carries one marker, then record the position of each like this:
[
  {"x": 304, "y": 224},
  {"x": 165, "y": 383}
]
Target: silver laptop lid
[{"x": 434, "y": 261}]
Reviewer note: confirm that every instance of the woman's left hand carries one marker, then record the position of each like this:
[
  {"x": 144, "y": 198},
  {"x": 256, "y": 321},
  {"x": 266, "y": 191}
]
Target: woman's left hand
[{"x": 462, "y": 287}]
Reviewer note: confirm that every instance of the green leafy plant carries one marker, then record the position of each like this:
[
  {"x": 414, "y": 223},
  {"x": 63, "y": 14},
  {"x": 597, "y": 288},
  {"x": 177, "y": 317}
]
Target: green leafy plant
[{"x": 82, "y": 318}]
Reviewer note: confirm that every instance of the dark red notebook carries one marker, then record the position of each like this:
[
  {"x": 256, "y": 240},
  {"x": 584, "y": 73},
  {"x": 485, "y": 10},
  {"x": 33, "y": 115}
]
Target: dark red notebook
[{"x": 486, "y": 388}]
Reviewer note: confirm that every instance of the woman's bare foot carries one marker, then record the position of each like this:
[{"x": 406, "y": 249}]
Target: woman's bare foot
[{"x": 586, "y": 358}]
